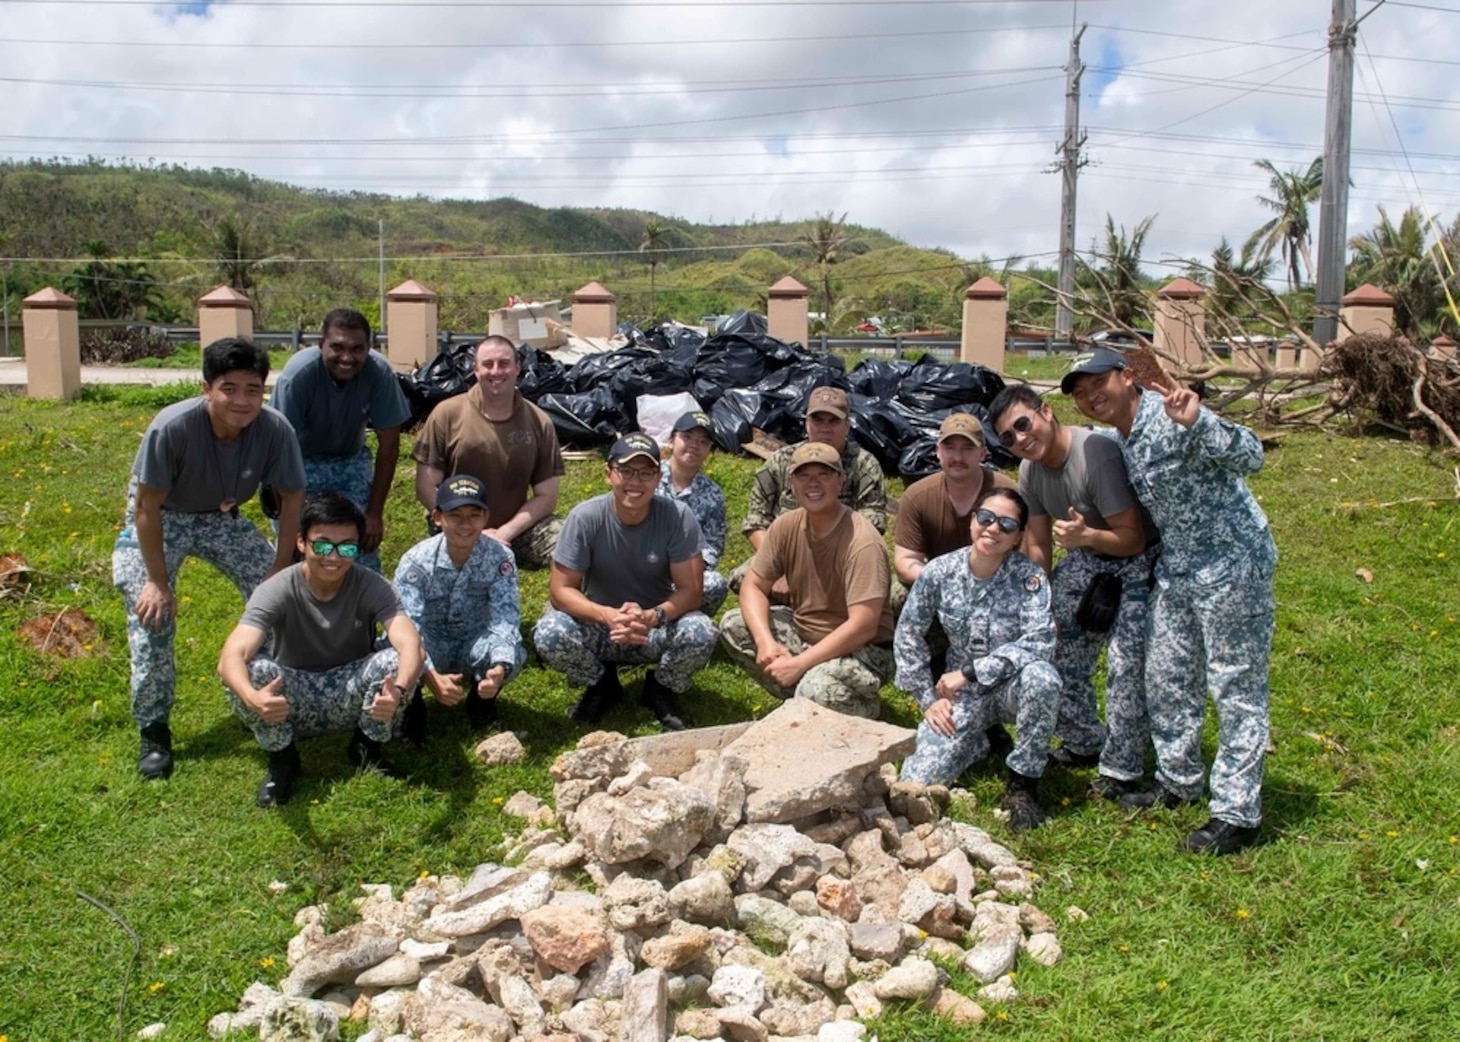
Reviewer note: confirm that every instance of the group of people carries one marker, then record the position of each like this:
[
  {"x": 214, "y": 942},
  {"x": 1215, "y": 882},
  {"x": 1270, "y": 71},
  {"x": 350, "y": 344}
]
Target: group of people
[{"x": 1167, "y": 566}]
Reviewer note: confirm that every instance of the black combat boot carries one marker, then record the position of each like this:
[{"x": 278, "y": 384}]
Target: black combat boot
[
  {"x": 1021, "y": 800},
  {"x": 659, "y": 700},
  {"x": 366, "y": 753},
  {"x": 278, "y": 784},
  {"x": 154, "y": 762},
  {"x": 598, "y": 698}
]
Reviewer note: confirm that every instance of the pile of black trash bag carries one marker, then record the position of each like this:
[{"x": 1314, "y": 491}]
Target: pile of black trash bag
[{"x": 744, "y": 379}]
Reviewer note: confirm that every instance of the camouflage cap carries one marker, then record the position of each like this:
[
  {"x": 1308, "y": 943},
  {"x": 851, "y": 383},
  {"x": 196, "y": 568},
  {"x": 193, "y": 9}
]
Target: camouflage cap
[
  {"x": 809, "y": 452},
  {"x": 828, "y": 399}
]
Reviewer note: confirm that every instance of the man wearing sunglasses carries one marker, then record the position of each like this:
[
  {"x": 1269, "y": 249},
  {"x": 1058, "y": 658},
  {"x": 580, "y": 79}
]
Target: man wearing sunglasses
[
  {"x": 1080, "y": 499},
  {"x": 828, "y": 422},
  {"x": 1211, "y": 611},
  {"x": 626, "y": 588},
  {"x": 322, "y": 673},
  {"x": 833, "y": 643}
]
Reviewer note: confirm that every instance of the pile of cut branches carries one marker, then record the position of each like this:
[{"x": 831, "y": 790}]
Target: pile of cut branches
[{"x": 1397, "y": 384}]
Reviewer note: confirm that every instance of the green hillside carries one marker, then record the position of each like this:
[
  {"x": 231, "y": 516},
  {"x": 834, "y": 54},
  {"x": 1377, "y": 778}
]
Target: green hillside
[{"x": 145, "y": 242}]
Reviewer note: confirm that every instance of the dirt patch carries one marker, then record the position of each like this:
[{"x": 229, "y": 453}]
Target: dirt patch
[{"x": 69, "y": 633}]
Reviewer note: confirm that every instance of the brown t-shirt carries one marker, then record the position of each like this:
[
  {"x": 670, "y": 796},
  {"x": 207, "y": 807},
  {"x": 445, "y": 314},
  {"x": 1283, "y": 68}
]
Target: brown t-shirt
[
  {"x": 847, "y": 566},
  {"x": 508, "y": 457},
  {"x": 926, "y": 522}
]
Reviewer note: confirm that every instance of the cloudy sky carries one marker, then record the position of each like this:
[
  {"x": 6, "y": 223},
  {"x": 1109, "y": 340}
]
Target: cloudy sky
[{"x": 933, "y": 119}]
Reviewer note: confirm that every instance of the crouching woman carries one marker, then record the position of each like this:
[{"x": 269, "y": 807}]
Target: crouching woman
[{"x": 993, "y": 602}]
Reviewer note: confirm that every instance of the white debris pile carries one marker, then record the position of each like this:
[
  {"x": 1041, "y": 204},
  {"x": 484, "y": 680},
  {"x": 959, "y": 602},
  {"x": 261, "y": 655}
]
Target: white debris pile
[{"x": 756, "y": 882}]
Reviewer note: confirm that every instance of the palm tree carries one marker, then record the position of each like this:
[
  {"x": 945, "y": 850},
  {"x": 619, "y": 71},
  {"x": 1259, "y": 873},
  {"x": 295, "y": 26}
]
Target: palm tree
[
  {"x": 1395, "y": 258},
  {"x": 111, "y": 289},
  {"x": 826, "y": 240},
  {"x": 1233, "y": 277},
  {"x": 1118, "y": 276},
  {"x": 237, "y": 254},
  {"x": 656, "y": 238},
  {"x": 1289, "y": 231}
]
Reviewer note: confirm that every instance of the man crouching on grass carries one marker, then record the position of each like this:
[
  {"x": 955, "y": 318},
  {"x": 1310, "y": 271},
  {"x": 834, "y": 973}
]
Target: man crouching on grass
[{"x": 323, "y": 673}]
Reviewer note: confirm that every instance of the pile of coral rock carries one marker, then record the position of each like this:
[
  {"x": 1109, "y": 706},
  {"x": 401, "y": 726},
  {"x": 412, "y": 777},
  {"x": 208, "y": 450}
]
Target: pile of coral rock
[{"x": 753, "y": 882}]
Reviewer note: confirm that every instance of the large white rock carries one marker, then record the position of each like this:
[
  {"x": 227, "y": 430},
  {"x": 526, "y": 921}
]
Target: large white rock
[
  {"x": 662, "y": 822},
  {"x": 765, "y": 849},
  {"x": 802, "y": 759},
  {"x": 510, "y": 904},
  {"x": 742, "y": 986},
  {"x": 817, "y": 952},
  {"x": 995, "y": 954},
  {"x": 914, "y": 979},
  {"x": 645, "y": 1016},
  {"x": 340, "y": 957}
]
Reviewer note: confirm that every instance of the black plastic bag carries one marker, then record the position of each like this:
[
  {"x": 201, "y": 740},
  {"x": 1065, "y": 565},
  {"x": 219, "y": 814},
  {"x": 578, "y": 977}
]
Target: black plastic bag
[
  {"x": 541, "y": 374},
  {"x": 450, "y": 373},
  {"x": 881, "y": 430},
  {"x": 599, "y": 368},
  {"x": 744, "y": 322},
  {"x": 876, "y": 378},
  {"x": 931, "y": 385},
  {"x": 585, "y": 419},
  {"x": 919, "y": 458},
  {"x": 733, "y": 414}
]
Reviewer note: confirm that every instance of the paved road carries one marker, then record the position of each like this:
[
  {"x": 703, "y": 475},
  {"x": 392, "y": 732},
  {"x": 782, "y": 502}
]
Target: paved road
[{"x": 12, "y": 375}]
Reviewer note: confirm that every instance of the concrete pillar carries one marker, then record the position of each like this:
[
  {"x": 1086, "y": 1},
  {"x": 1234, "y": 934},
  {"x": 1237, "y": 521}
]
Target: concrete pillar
[
  {"x": 224, "y": 312},
  {"x": 595, "y": 312},
  {"x": 51, "y": 335},
  {"x": 1442, "y": 347},
  {"x": 1181, "y": 321},
  {"x": 985, "y": 324},
  {"x": 410, "y": 326},
  {"x": 787, "y": 318},
  {"x": 1367, "y": 309},
  {"x": 1287, "y": 354}
]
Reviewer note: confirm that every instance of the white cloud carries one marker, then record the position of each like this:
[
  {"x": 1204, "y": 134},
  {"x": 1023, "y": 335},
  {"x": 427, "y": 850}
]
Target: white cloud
[{"x": 667, "y": 114}]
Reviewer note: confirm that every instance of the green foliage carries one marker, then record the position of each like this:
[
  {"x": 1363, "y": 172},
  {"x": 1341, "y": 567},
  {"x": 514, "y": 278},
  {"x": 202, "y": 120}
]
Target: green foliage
[
  {"x": 1398, "y": 259},
  {"x": 1293, "y": 191}
]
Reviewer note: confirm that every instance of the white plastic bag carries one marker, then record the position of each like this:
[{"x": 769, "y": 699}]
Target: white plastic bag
[{"x": 657, "y": 413}]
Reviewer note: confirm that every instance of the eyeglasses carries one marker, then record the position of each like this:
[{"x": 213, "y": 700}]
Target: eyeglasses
[
  {"x": 639, "y": 474},
  {"x": 1023, "y": 425},
  {"x": 1007, "y": 525},
  {"x": 348, "y": 550}
]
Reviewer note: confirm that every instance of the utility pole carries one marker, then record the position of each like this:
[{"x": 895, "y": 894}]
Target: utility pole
[
  {"x": 381, "y": 323},
  {"x": 1333, "y": 209},
  {"x": 1069, "y": 166}
]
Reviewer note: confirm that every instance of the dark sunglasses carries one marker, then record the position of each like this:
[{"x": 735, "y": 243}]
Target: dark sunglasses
[
  {"x": 1022, "y": 425},
  {"x": 347, "y": 550},
  {"x": 1007, "y": 525}
]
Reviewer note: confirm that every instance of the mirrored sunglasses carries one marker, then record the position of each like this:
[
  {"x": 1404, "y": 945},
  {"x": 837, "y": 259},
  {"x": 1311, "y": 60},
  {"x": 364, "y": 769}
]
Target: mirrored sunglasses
[{"x": 323, "y": 548}]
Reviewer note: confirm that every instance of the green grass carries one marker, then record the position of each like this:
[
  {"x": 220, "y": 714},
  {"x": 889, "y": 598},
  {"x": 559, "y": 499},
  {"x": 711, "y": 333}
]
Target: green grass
[{"x": 1342, "y": 925}]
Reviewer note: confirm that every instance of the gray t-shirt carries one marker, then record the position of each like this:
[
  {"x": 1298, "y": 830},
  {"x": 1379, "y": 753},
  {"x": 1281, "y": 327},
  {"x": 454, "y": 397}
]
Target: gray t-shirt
[
  {"x": 627, "y": 563},
  {"x": 316, "y": 635},
  {"x": 1093, "y": 480},
  {"x": 330, "y": 419},
  {"x": 200, "y": 473}
]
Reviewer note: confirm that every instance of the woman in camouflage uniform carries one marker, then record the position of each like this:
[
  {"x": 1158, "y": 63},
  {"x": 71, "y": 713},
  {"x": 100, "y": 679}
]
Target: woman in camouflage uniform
[{"x": 993, "y": 602}]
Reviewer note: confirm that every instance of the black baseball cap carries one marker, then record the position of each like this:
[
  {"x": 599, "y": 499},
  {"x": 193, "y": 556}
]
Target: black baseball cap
[
  {"x": 692, "y": 420},
  {"x": 461, "y": 490},
  {"x": 1093, "y": 363},
  {"x": 631, "y": 445}
]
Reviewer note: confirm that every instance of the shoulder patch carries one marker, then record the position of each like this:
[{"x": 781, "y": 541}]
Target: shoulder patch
[
  {"x": 1033, "y": 583},
  {"x": 414, "y": 575},
  {"x": 505, "y": 568}
]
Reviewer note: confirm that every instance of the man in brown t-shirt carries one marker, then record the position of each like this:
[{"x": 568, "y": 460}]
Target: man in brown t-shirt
[
  {"x": 934, "y": 514},
  {"x": 833, "y": 643},
  {"x": 494, "y": 434}
]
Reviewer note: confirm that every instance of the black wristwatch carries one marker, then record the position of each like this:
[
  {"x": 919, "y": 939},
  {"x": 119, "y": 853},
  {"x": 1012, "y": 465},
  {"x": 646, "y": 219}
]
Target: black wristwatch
[
  {"x": 970, "y": 674},
  {"x": 661, "y": 617},
  {"x": 506, "y": 667}
]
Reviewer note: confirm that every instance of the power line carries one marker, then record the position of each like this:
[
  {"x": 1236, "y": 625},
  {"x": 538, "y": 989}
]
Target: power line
[{"x": 538, "y": 5}]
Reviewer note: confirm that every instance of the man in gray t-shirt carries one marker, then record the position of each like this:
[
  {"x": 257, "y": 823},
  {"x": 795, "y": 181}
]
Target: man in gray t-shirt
[
  {"x": 1080, "y": 499},
  {"x": 330, "y": 394},
  {"x": 323, "y": 672},
  {"x": 626, "y": 587},
  {"x": 199, "y": 461}
]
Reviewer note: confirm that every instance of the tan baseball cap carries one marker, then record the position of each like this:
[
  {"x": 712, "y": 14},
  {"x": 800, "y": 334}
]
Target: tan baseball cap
[
  {"x": 828, "y": 399},
  {"x": 961, "y": 425},
  {"x": 815, "y": 452}
]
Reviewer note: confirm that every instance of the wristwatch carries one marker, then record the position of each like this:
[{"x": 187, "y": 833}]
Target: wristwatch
[{"x": 661, "y": 617}]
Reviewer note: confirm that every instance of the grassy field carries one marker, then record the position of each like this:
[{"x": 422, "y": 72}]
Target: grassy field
[{"x": 1343, "y": 924}]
